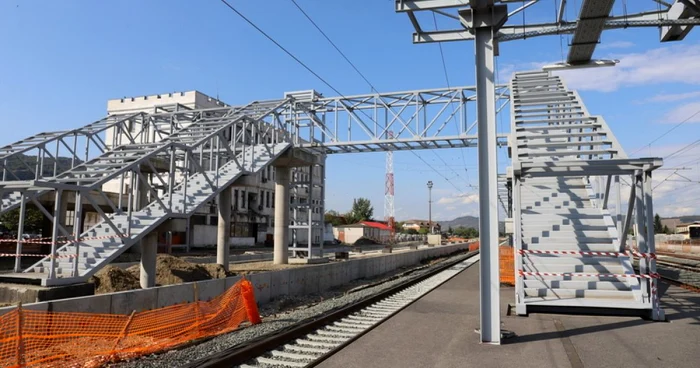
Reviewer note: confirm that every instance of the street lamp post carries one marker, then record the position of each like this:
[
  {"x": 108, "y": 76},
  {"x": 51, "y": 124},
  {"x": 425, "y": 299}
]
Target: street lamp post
[{"x": 430, "y": 206}]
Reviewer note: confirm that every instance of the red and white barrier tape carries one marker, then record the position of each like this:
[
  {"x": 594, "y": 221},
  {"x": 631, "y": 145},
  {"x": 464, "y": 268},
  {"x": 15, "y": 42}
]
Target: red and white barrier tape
[
  {"x": 588, "y": 253},
  {"x": 644, "y": 276},
  {"x": 37, "y": 255},
  {"x": 33, "y": 241}
]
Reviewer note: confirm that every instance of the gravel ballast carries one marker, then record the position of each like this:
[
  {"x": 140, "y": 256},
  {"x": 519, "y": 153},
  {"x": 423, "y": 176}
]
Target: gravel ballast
[{"x": 296, "y": 309}]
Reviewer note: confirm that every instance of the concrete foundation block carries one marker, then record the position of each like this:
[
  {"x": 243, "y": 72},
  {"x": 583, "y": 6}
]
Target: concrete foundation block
[
  {"x": 342, "y": 275},
  {"x": 353, "y": 270},
  {"x": 325, "y": 279},
  {"x": 87, "y": 304},
  {"x": 377, "y": 266},
  {"x": 134, "y": 300},
  {"x": 261, "y": 284},
  {"x": 384, "y": 265},
  {"x": 308, "y": 260},
  {"x": 297, "y": 281},
  {"x": 279, "y": 284},
  {"x": 210, "y": 289},
  {"x": 175, "y": 294},
  {"x": 230, "y": 281},
  {"x": 313, "y": 274}
]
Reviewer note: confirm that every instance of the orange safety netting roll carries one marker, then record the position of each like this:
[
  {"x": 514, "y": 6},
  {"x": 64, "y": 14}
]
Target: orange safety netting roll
[
  {"x": 57, "y": 339},
  {"x": 506, "y": 262}
]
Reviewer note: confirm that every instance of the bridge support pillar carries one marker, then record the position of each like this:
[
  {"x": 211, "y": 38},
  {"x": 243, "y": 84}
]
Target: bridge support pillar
[
  {"x": 484, "y": 19},
  {"x": 223, "y": 228},
  {"x": 62, "y": 214},
  {"x": 281, "y": 252},
  {"x": 149, "y": 253},
  {"x": 141, "y": 202}
]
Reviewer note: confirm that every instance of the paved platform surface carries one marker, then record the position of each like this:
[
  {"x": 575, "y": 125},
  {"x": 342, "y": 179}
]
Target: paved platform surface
[{"x": 438, "y": 331}]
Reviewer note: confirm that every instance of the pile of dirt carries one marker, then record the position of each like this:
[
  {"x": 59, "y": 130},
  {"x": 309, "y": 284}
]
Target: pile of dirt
[
  {"x": 112, "y": 279},
  {"x": 365, "y": 241},
  {"x": 173, "y": 270}
]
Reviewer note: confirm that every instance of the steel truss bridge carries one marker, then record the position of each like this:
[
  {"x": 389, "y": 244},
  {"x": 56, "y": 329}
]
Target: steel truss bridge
[{"x": 169, "y": 163}]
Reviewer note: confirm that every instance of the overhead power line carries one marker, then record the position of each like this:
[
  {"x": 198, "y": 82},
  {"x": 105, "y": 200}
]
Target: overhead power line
[
  {"x": 334, "y": 45},
  {"x": 447, "y": 80},
  {"x": 281, "y": 47},
  {"x": 372, "y": 86},
  {"x": 667, "y": 132}
]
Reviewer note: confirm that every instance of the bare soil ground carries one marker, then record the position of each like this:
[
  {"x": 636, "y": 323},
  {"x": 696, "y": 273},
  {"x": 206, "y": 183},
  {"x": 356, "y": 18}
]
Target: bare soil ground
[{"x": 169, "y": 271}]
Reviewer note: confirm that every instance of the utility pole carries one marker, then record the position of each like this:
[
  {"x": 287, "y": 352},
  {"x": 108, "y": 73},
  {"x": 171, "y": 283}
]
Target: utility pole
[{"x": 430, "y": 206}]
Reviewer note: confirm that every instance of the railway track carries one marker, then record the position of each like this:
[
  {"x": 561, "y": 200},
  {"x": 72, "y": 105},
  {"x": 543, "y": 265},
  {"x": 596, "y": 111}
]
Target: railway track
[
  {"x": 308, "y": 344},
  {"x": 680, "y": 270}
]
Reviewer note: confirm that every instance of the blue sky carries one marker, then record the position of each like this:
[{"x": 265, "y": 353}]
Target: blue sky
[{"x": 62, "y": 60}]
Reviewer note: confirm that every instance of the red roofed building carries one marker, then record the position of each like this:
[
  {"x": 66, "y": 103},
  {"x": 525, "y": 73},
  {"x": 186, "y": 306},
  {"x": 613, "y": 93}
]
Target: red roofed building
[{"x": 349, "y": 234}]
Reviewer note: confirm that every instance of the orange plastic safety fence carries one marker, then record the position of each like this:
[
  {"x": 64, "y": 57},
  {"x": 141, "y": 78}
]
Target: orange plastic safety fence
[
  {"x": 55, "y": 339},
  {"x": 506, "y": 261},
  {"x": 474, "y": 246}
]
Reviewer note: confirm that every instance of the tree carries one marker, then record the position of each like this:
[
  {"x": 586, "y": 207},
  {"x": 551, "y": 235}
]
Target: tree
[
  {"x": 411, "y": 232},
  {"x": 666, "y": 230},
  {"x": 466, "y": 232},
  {"x": 398, "y": 226},
  {"x": 334, "y": 218},
  {"x": 423, "y": 231},
  {"x": 32, "y": 221},
  {"x": 658, "y": 228},
  {"x": 449, "y": 229},
  {"x": 362, "y": 210}
]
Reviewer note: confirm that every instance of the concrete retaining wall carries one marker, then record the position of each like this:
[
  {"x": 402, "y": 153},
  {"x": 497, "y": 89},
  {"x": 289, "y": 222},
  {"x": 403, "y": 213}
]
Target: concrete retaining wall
[{"x": 268, "y": 285}]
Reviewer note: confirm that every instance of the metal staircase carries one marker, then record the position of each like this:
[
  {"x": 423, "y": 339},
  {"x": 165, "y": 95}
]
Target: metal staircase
[
  {"x": 199, "y": 157},
  {"x": 568, "y": 245},
  {"x": 78, "y": 261}
]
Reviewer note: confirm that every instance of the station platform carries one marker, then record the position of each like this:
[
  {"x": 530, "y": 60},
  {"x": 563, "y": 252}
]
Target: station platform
[{"x": 439, "y": 331}]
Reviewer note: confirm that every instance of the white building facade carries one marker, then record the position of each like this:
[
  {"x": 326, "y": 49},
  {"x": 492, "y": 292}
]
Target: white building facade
[{"x": 253, "y": 196}]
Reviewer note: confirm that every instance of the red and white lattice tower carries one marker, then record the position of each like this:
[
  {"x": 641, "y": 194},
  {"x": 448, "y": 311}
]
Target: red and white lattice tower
[{"x": 389, "y": 191}]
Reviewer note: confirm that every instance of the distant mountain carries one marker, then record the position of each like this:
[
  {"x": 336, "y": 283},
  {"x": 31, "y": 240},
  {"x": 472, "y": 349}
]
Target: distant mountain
[
  {"x": 684, "y": 219},
  {"x": 467, "y": 221},
  {"x": 15, "y": 165}
]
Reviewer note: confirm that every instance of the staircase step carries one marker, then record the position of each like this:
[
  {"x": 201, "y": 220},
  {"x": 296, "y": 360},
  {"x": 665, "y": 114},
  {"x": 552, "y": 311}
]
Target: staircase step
[
  {"x": 568, "y": 232},
  {"x": 606, "y": 247},
  {"x": 571, "y": 227},
  {"x": 564, "y": 240},
  {"x": 570, "y": 260},
  {"x": 576, "y": 285},
  {"x": 583, "y": 268},
  {"x": 580, "y": 293}
]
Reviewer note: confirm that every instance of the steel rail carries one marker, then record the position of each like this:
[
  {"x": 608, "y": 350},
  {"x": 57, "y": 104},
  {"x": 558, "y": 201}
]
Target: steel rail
[{"x": 242, "y": 353}]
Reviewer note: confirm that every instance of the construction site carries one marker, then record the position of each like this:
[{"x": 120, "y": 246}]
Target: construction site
[{"x": 179, "y": 229}]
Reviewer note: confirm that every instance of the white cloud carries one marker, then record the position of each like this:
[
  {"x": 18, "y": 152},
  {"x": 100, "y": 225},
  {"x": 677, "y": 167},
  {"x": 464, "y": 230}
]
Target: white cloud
[
  {"x": 690, "y": 113},
  {"x": 674, "y": 97},
  {"x": 460, "y": 199},
  {"x": 616, "y": 45},
  {"x": 671, "y": 64}
]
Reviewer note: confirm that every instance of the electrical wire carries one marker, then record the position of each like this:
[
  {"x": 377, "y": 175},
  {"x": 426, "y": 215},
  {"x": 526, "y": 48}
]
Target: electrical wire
[
  {"x": 334, "y": 46},
  {"x": 281, "y": 47},
  {"x": 667, "y": 132},
  {"x": 354, "y": 67},
  {"x": 447, "y": 80},
  {"x": 685, "y": 148}
]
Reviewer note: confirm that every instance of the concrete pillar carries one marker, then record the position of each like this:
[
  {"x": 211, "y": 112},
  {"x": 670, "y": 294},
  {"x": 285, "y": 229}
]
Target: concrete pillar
[
  {"x": 223, "y": 228},
  {"x": 281, "y": 215},
  {"x": 149, "y": 252},
  {"x": 141, "y": 202},
  {"x": 142, "y": 192},
  {"x": 63, "y": 210}
]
